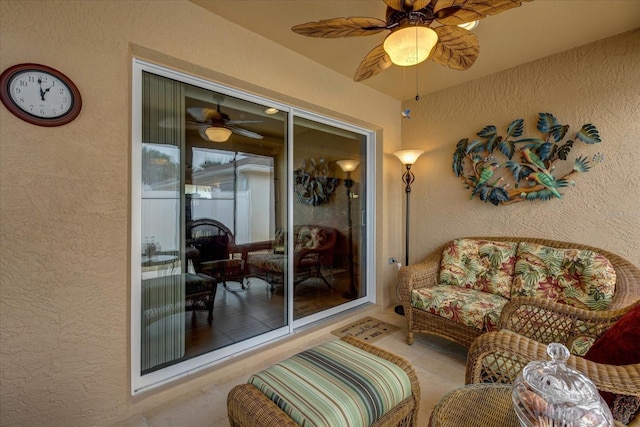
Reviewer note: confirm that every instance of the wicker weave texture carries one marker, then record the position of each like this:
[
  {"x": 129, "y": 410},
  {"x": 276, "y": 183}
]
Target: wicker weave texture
[
  {"x": 248, "y": 407},
  {"x": 426, "y": 273},
  {"x": 498, "y": 357},
  {"x": 476, "y": 405}
]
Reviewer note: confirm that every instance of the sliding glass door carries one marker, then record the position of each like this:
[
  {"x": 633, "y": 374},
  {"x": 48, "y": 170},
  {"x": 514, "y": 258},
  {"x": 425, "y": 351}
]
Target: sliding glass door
[
  {"x": 248, "y": 221},
  {"x": 328, "y": 212}
]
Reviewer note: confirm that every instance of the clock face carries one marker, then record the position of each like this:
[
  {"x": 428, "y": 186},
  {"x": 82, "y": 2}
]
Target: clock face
[{"x": 40, "y": 95}]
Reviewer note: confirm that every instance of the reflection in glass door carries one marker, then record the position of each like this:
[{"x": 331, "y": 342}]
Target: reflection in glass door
[
  {"x": 248, "y": 222},
  {"x": 209, "y": 185},
  {"x": 328, "y": 231}
]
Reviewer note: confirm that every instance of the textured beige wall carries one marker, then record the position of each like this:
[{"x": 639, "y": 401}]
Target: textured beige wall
[
  {"x": 598, "y": 83},
  {"x": 64, "y": 294}
]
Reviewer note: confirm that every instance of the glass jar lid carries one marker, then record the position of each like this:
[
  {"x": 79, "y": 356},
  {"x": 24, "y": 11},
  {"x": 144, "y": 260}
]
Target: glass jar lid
[{"x": 550, "y": 393}]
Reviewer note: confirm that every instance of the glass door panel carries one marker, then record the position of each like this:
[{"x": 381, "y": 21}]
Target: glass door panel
[
  {"x": 329, "y": 165},
  {"x": 212, "y": 170},
  {"x": 248, "y": 222}
]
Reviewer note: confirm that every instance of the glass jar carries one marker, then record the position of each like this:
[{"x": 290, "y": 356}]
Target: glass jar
[{"x": 549, "y": 394}]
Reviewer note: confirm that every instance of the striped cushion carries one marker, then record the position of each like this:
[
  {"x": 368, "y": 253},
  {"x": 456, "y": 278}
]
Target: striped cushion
[{"x": 334, "y": 384}]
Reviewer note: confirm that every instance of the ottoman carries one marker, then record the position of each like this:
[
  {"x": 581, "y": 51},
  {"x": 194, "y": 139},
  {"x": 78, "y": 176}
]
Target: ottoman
[{"x": 345, "y": 382}]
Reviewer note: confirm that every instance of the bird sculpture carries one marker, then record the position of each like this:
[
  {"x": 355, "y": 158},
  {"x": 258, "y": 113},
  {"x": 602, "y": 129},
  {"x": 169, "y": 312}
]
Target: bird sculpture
[
  {"x": 533, "y": 159},
  {"x": 547, "y": 180},
  {"x": 485, "y": 175}
]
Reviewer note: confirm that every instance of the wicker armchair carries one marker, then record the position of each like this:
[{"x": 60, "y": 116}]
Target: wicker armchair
[
  {"x": 426, "y": 274},
  {"x": 528, "y": 325}
]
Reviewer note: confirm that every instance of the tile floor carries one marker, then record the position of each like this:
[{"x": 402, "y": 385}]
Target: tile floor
[{"x": 438, "y": 362}]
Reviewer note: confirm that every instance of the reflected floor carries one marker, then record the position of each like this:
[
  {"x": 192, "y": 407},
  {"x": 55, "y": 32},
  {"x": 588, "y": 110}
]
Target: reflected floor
[{"x": 241, "y": 314}]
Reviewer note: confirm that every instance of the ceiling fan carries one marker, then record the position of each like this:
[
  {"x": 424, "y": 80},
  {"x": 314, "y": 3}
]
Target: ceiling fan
[
  {"x": 214, "y": 125},
  {"x": 411, "y": 25}
]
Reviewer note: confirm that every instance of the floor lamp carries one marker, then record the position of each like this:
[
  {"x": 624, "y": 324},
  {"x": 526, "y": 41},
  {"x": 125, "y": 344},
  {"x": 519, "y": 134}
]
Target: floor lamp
[
  {"x": 349, "y": 166},
  {"x": 408, "y": 158}
]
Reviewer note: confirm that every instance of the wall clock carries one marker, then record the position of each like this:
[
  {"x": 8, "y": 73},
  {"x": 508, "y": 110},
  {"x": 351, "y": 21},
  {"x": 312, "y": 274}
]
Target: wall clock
[{"x": 40, "y": 95}]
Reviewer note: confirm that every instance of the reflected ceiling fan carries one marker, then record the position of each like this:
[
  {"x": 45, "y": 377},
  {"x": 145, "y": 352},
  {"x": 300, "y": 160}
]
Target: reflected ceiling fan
[
  {"x": 413, "y": 36},
  {"x": 214, "y": 125}
]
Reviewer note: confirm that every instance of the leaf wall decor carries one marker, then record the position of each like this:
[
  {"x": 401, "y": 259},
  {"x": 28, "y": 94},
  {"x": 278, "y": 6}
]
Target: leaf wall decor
[{"x": 530, "y": 170}]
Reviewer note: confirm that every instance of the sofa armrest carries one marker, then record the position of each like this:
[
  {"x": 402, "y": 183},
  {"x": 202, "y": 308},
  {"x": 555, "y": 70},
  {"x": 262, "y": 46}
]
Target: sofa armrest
[
  {"x": 547, "y": 321},
  {"x": 415, "y": 276}
]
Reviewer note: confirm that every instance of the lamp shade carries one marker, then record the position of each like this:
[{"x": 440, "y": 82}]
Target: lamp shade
[
  {"x": 348, "y": 165},
  {"x": 408, "y": 157},
  {"x": 218, "y": 134},
  {"x": 410, "y": 45}
]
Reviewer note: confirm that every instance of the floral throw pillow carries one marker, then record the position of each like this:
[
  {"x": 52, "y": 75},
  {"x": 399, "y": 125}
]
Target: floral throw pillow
[
  {"x": 580, "y": 278},
  {"x": 481, "y": 265},
  {"x": 310, "y": 238}
]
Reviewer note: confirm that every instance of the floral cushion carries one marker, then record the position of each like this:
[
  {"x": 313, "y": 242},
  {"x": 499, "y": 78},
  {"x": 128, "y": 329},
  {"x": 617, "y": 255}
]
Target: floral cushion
[
  {"x": 267, "y": 262},
  {"x": 479, "y": 264},
  {"x": 310, "y": 237},
  {"x": 580, "y": 278},
  {"x": 469, "y": 307}
]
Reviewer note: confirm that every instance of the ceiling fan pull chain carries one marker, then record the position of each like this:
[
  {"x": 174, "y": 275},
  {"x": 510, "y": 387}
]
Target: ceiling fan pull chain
[{"x": 417, "y": 87}]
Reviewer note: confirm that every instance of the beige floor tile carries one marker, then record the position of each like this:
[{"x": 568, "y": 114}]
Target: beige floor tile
[{"x": 438, "y": 362}]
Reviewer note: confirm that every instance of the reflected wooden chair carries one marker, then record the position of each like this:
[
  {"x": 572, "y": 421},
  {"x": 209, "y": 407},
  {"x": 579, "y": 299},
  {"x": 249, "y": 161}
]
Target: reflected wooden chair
[
  {"x": 313, "y": 255},
  {"x": 212, "y": 249}
]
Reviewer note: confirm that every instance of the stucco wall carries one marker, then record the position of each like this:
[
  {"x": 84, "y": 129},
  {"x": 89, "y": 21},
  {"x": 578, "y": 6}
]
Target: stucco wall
[
  {"x": 598, "y": 83},
  {"x": 64, "y": 295}
]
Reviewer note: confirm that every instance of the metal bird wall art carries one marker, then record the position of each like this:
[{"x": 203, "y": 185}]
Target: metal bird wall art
[
  {"x": 532, "y": 177},
  {"x": 456, "y": 47}
]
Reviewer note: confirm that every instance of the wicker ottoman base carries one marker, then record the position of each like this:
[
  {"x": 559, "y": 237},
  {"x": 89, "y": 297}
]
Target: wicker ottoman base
[{"x": 248, "y": 406}]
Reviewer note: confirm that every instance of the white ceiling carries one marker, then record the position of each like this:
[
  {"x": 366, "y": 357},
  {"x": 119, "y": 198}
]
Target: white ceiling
[{"x": 534, "y": 30}]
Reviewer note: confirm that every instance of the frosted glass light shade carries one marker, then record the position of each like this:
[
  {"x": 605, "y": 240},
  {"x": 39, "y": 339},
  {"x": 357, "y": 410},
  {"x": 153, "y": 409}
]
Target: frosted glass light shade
[
  {"x": 218, "y": 134},
  {"x": 348, "y": 165},
  {"x": 410, "y": 45},
  {"x": 408, "y": 157}
]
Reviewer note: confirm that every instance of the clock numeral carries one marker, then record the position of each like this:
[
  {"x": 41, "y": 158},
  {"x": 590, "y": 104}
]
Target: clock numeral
[
  {"x": 21, "y": 99},
  {"x": 17, "y": 90},
  {"x": 23, "y": 83},
  {"x": 32, "y": 79}
]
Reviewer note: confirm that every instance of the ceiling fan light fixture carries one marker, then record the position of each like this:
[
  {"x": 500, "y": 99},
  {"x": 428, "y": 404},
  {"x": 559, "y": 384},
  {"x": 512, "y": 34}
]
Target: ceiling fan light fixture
[
  {"x": 469, "y": 25},
  {"x": 218, "y": 134},
  {"x": 410, "y": 45}
]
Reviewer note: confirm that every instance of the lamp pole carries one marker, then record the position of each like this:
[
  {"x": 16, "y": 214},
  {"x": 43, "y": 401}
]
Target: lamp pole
[
  {"x": 408, "y": 158},
  {"x": 349, "y": 166},
  {"x": 407, "y": 177},
  {"x": 352, "y": 283}
]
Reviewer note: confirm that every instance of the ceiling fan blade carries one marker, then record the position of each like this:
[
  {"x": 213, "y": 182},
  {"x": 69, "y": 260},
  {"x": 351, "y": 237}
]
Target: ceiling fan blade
[
  {"x": 455, "y": 12},
  {"x": 193, "y": 125},
  {"x": 457, "y": 48},
  {"x": 242, "y": 122},
  {"x": 376, "y": 61},
  {"x": 341, "y": 27},
  {"x": 204, "y": 115},
  {"x": 407, "y": 5},
  {"x": 245, "y": 132},
  {"x": 202, "y": 132}
]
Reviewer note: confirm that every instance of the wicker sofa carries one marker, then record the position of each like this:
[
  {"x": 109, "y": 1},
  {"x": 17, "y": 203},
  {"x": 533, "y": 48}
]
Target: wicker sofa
[{"x": 449, "y": 319}]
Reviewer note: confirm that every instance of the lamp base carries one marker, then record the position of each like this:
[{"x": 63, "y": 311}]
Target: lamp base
[{"x": 399, "y": 309}]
